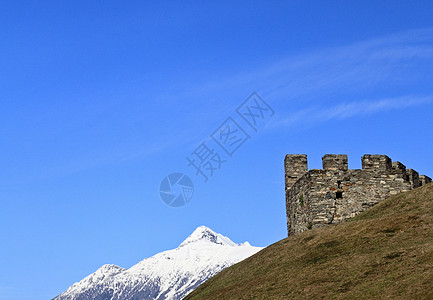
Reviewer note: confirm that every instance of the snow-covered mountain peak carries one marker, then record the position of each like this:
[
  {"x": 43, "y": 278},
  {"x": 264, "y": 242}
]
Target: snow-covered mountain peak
[
  {"x": 109, "y": 268},
  {"x": 168, "y": 275},
  {"x": 105, "y": 271},
  {"x": 207, "y": 235}
]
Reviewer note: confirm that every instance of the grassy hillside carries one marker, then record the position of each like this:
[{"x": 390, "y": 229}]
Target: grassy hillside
[{"x": 386, "y": 253}]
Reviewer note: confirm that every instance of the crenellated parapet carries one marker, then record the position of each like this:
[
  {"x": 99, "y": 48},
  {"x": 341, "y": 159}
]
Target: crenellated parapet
[{"x": 335, "y": 193}]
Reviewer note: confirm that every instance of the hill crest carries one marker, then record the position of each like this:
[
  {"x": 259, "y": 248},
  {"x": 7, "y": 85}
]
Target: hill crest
[{"x": 386, "y": 251}]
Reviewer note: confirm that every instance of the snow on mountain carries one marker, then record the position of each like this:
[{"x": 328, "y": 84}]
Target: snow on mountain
[{"x": 170, "y": 274}]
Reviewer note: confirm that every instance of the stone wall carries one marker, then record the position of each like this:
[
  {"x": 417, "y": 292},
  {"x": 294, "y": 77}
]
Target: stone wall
[{"x": 333, "y": 194}]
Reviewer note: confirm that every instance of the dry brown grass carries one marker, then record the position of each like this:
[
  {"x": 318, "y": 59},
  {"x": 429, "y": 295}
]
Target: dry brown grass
[{"x": 384, "y": 253}]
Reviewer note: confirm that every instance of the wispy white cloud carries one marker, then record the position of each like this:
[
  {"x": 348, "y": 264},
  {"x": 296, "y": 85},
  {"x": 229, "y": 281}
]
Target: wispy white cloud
[
  {"x": 312, "y": 88},
  {"x": 315, "y": 115},
  {"x": 324, "y": 71},
  {"x": 352, "y": 68},
  {"x": 327, "y": 77}
]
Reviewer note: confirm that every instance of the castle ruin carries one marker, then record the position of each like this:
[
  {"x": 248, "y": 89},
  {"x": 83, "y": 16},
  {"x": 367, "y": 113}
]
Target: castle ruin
[{"x": 333, "y": 194}]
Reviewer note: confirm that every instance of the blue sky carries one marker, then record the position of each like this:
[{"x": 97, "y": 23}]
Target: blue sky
[{"x": 100, "y": 100}]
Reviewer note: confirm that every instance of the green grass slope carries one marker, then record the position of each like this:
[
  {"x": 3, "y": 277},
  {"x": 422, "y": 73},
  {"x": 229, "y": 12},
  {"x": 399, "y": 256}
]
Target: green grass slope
[{"x": 384, "y": 253}]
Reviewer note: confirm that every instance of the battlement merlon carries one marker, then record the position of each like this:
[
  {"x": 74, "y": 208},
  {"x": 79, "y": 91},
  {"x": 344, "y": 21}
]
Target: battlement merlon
[
  {"x": 413, "y": 178},
  {"x": 396, "y": 165},
  {"x": 295, "y": 166},
  {"x": 335, "y": 162},
  {"x": 375, "y": 162},
  {"x": 423, "y": 179}
]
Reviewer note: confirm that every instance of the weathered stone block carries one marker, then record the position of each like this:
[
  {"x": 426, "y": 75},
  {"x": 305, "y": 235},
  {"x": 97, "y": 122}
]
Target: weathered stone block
[
  {"x": 335, "y": 162},
  {"x": 376, "y": 162},
  {"x": 424, "y": 179},
  {"x": 413, "y": 178}
]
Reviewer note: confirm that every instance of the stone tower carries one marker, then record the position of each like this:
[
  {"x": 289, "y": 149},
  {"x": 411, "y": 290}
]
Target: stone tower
[{"x": 335, "y": 193}]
